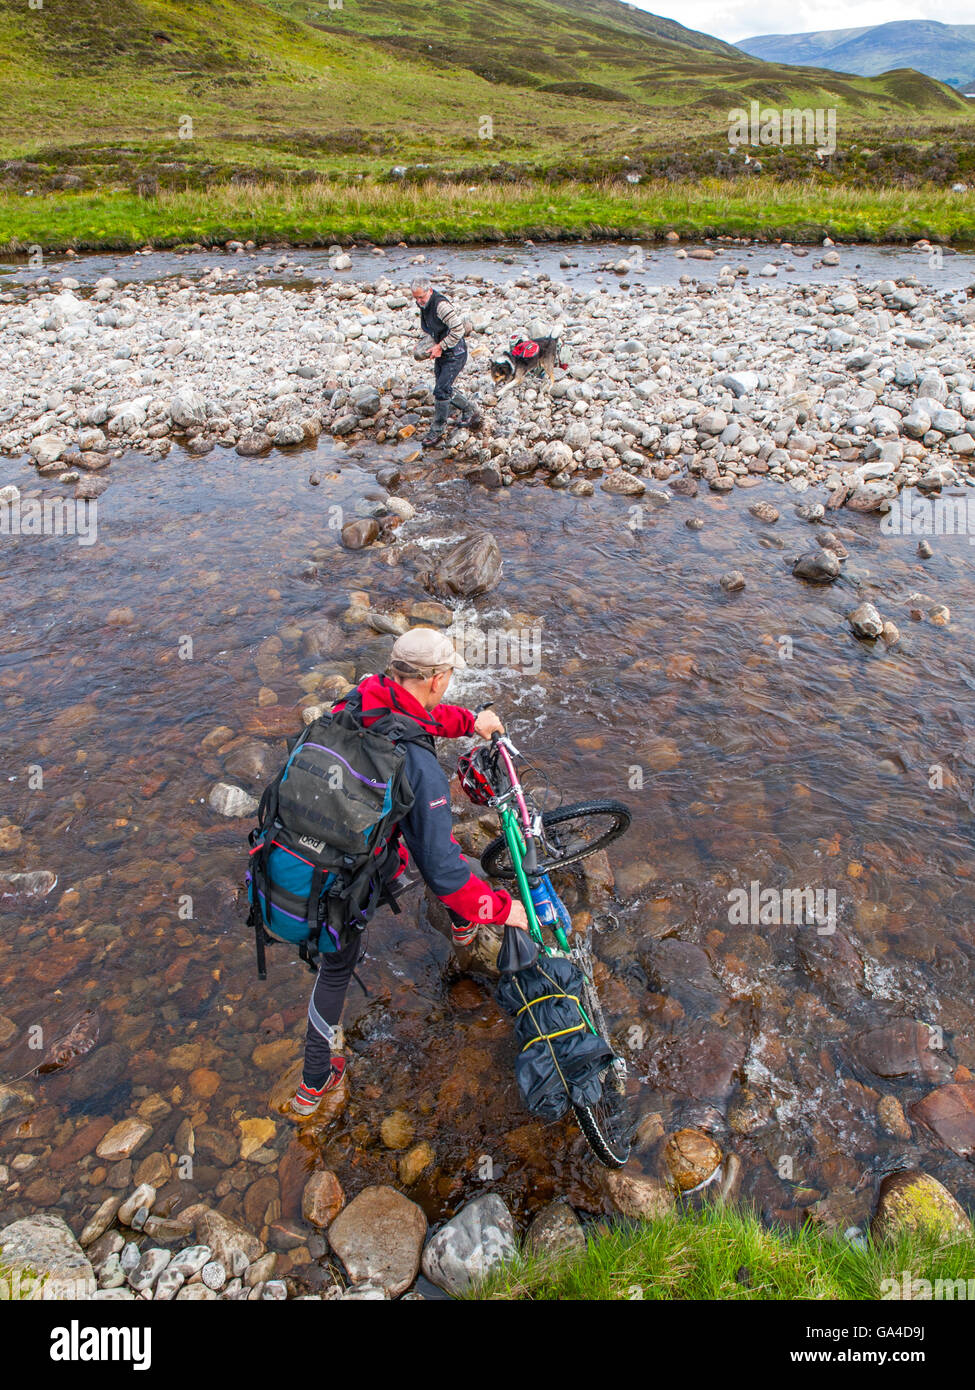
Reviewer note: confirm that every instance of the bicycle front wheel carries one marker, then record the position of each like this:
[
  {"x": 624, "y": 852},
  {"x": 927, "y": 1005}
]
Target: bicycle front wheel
[{"x": 569, "y": 835}]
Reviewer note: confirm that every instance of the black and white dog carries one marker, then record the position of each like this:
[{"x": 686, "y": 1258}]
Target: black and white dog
[{"x": 527, "y": 356}]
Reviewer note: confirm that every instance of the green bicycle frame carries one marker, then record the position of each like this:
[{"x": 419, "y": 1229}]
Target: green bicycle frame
[
  {"x": 514, "y": 836},
  {"x": 516, "y": 848}
]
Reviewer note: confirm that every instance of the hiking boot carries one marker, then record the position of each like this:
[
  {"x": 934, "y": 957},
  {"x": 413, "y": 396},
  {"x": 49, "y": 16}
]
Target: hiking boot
[
  {"x": 472, "y": 419},
  {"x": 306, "y": 1099},
  {"x": 464, "y": 933},
  {"x": 438, "y": 424}
]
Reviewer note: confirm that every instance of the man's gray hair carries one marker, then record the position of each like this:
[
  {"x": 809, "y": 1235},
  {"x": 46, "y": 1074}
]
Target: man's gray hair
[
  {"x": 407, "y": 670},
  {"x": 420, "y": 283}
]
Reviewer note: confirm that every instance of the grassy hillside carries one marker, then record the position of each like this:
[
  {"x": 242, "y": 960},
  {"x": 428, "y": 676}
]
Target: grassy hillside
[
  {"x": 147, "y": 97},
  {"x": 408, "y": 79}
]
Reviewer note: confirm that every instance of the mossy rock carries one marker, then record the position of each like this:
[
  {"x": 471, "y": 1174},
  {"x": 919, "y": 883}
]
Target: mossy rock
[{"x": 915, "y": 1202}]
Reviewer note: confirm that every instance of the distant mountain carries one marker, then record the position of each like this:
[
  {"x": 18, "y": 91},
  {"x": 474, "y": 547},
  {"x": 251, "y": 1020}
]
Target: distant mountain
[{"x": 945, "y": 51}]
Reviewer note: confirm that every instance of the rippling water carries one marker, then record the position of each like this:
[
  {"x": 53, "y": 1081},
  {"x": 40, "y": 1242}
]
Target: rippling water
[
  {"x": 652, "y": 263},
  {"x": 755, "y": 738}
]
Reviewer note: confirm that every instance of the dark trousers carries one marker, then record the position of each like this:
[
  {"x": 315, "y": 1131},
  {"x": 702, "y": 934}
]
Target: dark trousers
[
  {"x": 325, "y": 1010},
  {"x": 447, "y": 368}
]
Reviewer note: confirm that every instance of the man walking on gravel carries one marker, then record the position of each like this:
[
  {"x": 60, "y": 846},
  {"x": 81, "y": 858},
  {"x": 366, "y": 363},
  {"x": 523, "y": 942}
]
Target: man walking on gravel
[
  {"x": 421, "y": 665},
  {"x": 444, "y": 323}
]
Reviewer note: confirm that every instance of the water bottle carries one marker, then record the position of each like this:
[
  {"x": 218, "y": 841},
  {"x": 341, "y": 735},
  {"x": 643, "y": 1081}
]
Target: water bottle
[
  {"x": 545, "y": 909},
  {"x": 549, "y": 908}
]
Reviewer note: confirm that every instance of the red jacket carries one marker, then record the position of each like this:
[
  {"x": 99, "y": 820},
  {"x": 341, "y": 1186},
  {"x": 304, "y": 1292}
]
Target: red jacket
[{"x": 427, "y": 826}]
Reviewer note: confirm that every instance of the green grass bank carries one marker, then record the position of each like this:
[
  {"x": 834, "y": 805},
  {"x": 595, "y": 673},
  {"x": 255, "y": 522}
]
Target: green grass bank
[
  {"x": 727, "y": 1254},
  {"x": 326, "y": 211}
]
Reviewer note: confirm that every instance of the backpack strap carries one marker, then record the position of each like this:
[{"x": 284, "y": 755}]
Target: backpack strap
[
  {"x": 314, "y": 915},
  {"x": 254, "y": 919}
]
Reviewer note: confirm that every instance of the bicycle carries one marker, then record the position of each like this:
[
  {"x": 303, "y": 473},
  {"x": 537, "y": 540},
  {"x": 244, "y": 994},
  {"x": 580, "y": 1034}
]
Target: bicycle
[{"x": 533, "y": 844}]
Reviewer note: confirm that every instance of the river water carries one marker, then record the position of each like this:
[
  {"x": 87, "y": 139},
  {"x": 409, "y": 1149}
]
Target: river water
[
  {"x": 650, "y": 262},
  {"x": 756, "y": 740}
]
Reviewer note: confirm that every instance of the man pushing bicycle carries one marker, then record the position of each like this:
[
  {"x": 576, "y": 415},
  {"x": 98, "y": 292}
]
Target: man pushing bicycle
[{"x": 408, "y": 701}]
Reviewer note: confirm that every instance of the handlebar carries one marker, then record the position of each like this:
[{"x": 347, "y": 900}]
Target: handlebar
[{"x": 496, "y": 737}]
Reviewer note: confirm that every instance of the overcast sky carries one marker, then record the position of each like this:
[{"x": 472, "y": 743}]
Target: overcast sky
[{"x": 739, "y": 19}]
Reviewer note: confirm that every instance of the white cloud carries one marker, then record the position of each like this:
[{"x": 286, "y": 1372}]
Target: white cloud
[{"x": 739, "y": 19}]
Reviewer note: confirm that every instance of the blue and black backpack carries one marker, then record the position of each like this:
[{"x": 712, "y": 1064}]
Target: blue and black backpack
[{"x": 325, "y": 850}]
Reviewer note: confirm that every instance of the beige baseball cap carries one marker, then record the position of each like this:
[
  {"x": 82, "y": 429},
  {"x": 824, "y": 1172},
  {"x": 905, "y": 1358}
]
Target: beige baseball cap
[{"x": 425, "y": 647}]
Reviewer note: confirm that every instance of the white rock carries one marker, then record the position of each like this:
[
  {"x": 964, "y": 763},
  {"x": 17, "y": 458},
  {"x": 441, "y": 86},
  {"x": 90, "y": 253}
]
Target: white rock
[
  {"x": 149, "y": 1268},
  {"x": 401, "y": 507},
  {"x": 188, "y": 407},
  {"x": 44, "y": 1247},
  {"x": 143, "y": 1196},
  {"x": 476, "y": 1241},
  {"x": 214, "y": 1275},
  {"x": 191, "y": 1260},
  {"x": 232, "y": 801},
  {"x": 47, "y": 448}
]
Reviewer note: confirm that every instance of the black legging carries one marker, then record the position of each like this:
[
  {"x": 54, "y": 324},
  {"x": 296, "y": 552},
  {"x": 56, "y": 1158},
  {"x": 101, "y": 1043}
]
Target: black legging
[
  {"x": 447, "y": 368},
  {"x": 325, "y": 1009},
  {"x": 325, "y": 1006}
]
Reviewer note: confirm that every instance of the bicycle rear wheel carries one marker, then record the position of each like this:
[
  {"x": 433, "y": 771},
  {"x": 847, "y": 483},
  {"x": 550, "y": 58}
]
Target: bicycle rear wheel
[
  {"x": 606, "y": 1124},
  {"x": 569, "y": 835}
]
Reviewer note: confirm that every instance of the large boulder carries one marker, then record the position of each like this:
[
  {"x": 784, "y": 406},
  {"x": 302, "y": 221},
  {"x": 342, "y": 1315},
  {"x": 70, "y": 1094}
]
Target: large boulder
[
  {"x": 356, "y": 535},
  {"x": 866, "y": 621},
  {"x": 378, "y": 1237},
  {"x": 47, "y": 449},
  {"x": 478, "y": 1240},
  {"x": 228, "y": 1241},
  {"x": 187, "y": 408},
  {"x": 365, "y": 400},
  {"x": 253, "y": 761},
  {"x": 556, "y": 1230},
  {"x": 637, "y": 1197},
  {"x": 902, "y": 1049},
  {"x": 45, "y": 1248},
  {"x": 232, "y": 801},
  {"x": 949, "y": 1112},
  {"x": 322, "y": 1199},
  {"x": 914, "y": 1201},
  {"x": 320, "y": 638},
  {"x": 817, "y": 567},
  {"x": 623, "y": 483},
  {"x": 254, "y": 444},
  {"x": 691, "y": 1159},
  {"x": 472, "y": 566}
]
